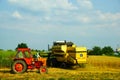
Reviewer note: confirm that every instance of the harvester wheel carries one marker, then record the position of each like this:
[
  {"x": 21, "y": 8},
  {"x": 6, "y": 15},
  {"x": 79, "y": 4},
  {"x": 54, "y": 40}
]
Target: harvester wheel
[
  {"x": 63, "y": 65},
  {"x": 49, "y": 63},
  {"x": 52, "y": 62},
  {"x": 19, "y": 66},
  {"x": 43, "y": 70}
]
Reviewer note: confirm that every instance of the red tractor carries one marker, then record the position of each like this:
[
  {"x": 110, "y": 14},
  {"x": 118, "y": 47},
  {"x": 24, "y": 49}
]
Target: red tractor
[{"x": 25, "y": 60}]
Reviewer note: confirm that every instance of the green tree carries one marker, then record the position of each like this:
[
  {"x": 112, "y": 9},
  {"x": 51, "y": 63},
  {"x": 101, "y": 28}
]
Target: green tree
[
  {"x": 22, "y": 45},
  {"x": 90, "y": 52},
  {"x": 107, "y": 50},
  {"x": 96, "y": 50}
]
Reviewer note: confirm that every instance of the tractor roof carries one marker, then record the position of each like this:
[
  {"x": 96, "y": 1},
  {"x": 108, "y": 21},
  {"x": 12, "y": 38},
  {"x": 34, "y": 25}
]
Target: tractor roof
[{"x": 23, "y": 49}]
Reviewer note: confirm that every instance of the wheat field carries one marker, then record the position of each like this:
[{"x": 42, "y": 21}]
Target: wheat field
[
  {"x": 97, "y": 68},
  {"x": 104, "y": 62}
]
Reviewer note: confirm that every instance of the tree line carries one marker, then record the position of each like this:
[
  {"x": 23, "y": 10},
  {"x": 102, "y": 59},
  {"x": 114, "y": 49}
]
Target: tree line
[{"x": 96, "y": 50}]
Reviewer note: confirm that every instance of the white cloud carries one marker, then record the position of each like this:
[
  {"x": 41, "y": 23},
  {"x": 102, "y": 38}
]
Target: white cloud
[
  {"x": 47, "y": 18},
  {"x": 108, "y": 16},
  {"x": 84, "y": 19},
  {"x": 43, "y": 4},
  {"x": 85, "y": 4},
  {"x": 57, "y": 17},
  {"x": 17, "y": 15}
]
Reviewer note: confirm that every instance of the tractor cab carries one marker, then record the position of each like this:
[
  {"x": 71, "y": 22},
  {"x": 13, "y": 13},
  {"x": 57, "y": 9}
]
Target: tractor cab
[
  {"x": 23, "y": 53},
  {"x": 24, "y": 60}
]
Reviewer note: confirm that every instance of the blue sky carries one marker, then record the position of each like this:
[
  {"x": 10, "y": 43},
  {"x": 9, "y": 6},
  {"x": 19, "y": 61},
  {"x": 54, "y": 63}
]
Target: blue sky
[{"x": 40, "y": 22}]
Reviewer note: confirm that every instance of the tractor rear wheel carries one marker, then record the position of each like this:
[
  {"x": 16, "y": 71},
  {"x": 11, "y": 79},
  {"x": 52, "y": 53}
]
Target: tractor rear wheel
[{"x": 19, "y": 66}]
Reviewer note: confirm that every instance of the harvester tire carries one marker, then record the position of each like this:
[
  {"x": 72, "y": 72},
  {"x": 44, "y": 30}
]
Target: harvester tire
[
  {"x": 49, "y": 62},
  {"x": 54, "y": 62},
  {"x": 63, "y": 65},
  {"x": 19, "y": 66}
]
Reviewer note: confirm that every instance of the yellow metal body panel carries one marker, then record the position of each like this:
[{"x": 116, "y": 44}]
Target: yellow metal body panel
[
  {"x": 62, "y": 58},
  {"x": 81, "y": 49},
  {"x": 70, "y": 54},
  {"x": 62, "y": 48}
]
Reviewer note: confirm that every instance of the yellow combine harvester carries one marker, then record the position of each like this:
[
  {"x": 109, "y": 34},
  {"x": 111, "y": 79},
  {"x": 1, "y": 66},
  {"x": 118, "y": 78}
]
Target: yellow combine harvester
[{"x": 64, "y": 54}]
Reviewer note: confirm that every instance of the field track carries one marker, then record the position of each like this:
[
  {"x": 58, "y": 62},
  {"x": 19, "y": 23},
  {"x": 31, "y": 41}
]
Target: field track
[{"x": 62, "y": 74}]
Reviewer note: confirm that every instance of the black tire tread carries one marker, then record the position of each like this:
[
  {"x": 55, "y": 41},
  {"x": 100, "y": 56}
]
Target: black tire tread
[{"x": 18, "y": 61}]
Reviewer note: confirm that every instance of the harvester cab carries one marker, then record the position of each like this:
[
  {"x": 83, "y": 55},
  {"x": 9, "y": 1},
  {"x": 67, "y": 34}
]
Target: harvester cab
[
  {"x": 65, "y": 54},
  {"x": 25, "y": 60}
]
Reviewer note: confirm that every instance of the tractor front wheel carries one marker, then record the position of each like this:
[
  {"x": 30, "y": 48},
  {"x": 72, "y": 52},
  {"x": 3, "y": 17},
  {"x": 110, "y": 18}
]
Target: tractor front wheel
[
  {"x": 19, "y": 66},
  {"x": 43, "y": 70}
]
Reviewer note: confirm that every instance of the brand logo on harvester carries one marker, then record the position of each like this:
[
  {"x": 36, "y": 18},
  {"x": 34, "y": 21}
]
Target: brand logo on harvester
[{"x": 81, "y": 55}]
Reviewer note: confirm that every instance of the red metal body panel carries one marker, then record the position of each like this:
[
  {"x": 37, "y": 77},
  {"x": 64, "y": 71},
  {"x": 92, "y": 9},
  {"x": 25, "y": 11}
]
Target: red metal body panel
[{"x": 31, "y": 62}]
